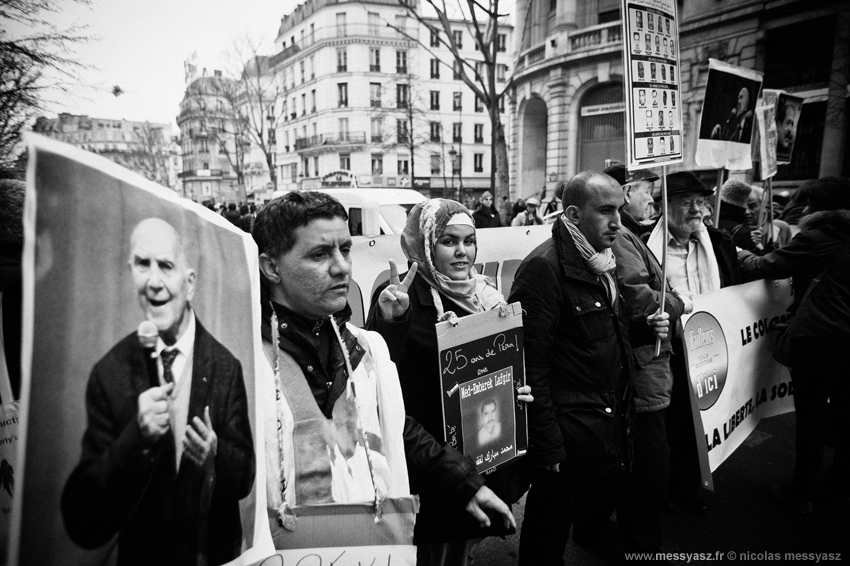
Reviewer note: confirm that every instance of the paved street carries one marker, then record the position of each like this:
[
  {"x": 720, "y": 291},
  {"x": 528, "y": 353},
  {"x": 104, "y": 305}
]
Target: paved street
[{"x": 742, "y": 517}]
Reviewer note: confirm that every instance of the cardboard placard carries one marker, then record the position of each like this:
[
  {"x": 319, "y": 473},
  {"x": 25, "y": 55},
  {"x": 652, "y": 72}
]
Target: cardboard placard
[
  {"x": 481, "y": 366},
  {"x": 654, "y": 131}
]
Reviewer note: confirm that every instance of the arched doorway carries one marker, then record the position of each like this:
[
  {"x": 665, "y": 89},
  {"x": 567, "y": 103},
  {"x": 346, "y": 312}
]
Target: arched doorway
[
  {"x": 532, "y": 173},
  {"x": 602, "y": 124}
]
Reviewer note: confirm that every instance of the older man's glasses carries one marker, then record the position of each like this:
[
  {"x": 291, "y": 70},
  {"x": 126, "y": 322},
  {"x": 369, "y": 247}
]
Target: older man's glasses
[{"x": 688, "y": 203}]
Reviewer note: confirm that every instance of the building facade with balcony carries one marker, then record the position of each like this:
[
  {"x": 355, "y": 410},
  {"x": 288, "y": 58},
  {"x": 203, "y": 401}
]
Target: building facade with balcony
[
  {"x": 147, "y": 148},
  {"x": 568, "y": 108},
  {"x": 208, "y": 142},
  {"x": 369, "y": 91}
]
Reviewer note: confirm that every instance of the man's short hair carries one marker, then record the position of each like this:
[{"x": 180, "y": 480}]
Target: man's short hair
[
  {"x": 576, "y": 193},
  {"x": 275, "y": 225}
]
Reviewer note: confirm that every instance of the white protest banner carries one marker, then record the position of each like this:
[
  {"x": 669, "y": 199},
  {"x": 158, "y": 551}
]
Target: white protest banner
[
  {"x": 653, "y": 94},
  {"x": 482, "y": 365},
  {"x": 735, "y": 381},
  {"x": 91, "y": 231},
  {"x": 767, "y": 140},
  {"x": 726, "y": 126}
]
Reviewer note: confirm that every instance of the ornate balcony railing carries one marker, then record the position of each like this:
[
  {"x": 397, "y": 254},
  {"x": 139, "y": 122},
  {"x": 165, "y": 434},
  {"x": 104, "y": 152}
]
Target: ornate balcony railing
[{"x": 330, "y": 140}]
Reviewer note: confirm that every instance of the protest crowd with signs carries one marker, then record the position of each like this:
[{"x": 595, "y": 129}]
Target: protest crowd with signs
[{"x": 287, "y": 393}]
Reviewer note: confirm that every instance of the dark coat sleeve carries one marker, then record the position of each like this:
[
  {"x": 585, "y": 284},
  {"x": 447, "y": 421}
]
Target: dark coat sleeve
[
  {"x": 234, "y": 462},
  {"x": 438, "y": 469},
  {"x": 115, "y": 466},
  {"x": 798, "y": 257},
  {"x": 536, "y": 286}
]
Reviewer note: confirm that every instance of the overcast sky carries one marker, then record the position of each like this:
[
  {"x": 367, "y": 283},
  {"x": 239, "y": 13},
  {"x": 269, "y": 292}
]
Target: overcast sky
[{"x": 142, "y": 46}]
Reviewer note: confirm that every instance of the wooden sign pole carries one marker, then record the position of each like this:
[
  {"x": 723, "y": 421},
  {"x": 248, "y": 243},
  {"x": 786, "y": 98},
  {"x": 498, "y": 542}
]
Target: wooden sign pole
[{"x": 663, "y": 249}]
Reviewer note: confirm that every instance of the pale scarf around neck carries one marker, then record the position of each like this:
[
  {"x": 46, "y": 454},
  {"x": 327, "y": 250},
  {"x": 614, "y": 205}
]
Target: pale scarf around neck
[
  {"x": 601, "y": 264},
  {"x": 708, "y": 272},
  {"x": 425, "y": 224}
]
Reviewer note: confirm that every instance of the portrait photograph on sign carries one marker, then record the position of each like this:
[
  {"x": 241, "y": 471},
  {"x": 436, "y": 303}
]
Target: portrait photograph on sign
[
  {"x": 651, "y": 62},
  {"x": 482, "y": 366},
  {"x": 728, "y": 116},
  {"x": 489, "y": 424},
  {"x": 139, "y": 328},
  {"x": 787, "y": 115}
]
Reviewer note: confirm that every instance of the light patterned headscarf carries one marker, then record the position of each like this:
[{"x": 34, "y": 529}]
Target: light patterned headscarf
[{"x": 425, "y": 225}]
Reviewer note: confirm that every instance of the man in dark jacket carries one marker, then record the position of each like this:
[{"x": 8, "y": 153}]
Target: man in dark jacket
[
  {"x": 700, "y": 259},
  {"x": 577, "y": 363},
  {"x": 640, "y": 281},
  {"x": 304, "y": 247}
]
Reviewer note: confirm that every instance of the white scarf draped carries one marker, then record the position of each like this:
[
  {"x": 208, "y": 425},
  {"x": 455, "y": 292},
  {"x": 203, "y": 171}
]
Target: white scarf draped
[
  {"x": 708, "y": 272},
  {"x": 601, "y": 264}
]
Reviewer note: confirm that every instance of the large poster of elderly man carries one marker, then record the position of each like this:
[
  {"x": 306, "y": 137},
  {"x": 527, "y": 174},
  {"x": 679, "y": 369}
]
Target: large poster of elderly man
[
  {"x": 728, "y": 116},
  {"x": 139, "y": 360}
]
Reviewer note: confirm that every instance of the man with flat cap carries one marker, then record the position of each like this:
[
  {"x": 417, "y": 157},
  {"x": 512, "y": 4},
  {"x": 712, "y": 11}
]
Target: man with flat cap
[
  {"x": 168, "y": 451},
  {"x": 700, "y": 259},
  {"x": 640, "y": 281}
]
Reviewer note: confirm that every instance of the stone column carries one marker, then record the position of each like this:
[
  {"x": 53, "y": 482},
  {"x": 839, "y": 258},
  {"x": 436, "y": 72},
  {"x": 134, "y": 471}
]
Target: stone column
[{"x": 832, "y": 161}]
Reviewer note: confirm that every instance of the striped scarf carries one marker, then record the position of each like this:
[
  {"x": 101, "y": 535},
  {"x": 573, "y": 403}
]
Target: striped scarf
[{"x": 602, "y": 264}]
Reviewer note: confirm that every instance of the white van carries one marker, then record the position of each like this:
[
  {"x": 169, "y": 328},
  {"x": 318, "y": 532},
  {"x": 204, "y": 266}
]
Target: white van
[{"x": 373, "y": 211}]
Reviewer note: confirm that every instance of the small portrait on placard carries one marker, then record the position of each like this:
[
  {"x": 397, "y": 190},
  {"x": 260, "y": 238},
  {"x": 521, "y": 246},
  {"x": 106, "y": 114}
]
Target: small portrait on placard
[
  {"x": 639, "y": 19},
  {"x": 636, "y": 42},
  {"x": 654, "y": 98},
  {"x": 672, "y": 74},
  {"x": 665, "y": 46},
  {"x": 664, "y": 98},
  {"x": 489, "y": 424},
  {"x": 672, "y": 144},
  {"x": 649, "y": 145},
  {"x": 664, "y": 73},
  {"x": 787, "y": 116},
  {"x": 642, "y": 97},
  {"x": 649, "y": 119},
  {"x": 672, "y": 49},
  {"x": 640, "y": 69},
  {"x": 661, "y": 118},
  {"x": 670, "y": 119},
  {"x": 661, "y": 141},
  {"x": 650, "y": 22},
  {"x": 652, "y": 73},
  {"x": 660, "y": 23},
  {"x": 657, "y": 44},
  {"x": 667, "y": 25},
  {"x": 673, "y": 99},
  {"x": 648, "y": 40}
]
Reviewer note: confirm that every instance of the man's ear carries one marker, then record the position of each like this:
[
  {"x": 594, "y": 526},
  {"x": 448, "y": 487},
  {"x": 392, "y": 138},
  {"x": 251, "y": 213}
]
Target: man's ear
[
  {"x": 627, "y": 193},
  {"x": 268, "y": 268},
  {"x": 190, "y": 284},
  {"x": 572, "y": 214}
]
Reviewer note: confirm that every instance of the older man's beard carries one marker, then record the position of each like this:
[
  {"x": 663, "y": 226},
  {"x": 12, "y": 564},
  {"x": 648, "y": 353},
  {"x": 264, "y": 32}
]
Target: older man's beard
[{"x": 685, "y": 226}]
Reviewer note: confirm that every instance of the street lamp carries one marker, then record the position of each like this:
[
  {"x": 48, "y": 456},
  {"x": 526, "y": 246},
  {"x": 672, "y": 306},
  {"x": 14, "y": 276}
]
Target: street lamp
[{"x": 453, "y": 158}]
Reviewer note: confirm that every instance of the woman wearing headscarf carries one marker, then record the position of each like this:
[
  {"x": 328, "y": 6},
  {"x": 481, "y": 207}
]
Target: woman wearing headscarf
[
  {"x": 440, "y": 245},
  {"x": 818, "y": 260}
]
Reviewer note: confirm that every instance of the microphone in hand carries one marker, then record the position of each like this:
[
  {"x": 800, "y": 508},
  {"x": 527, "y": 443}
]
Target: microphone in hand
[{"x": 148, "y": 334}]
